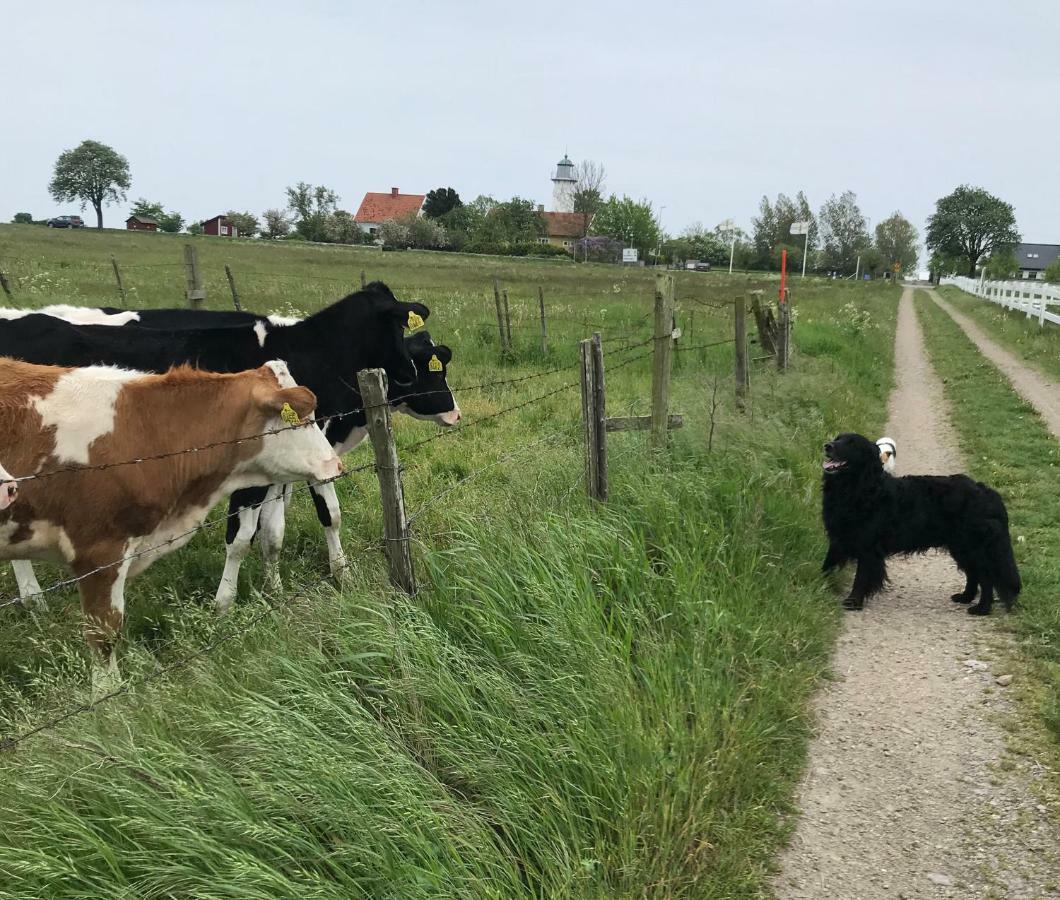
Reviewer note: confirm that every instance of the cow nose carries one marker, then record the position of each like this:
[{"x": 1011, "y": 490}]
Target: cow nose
[{"x": 12, "y": 492}]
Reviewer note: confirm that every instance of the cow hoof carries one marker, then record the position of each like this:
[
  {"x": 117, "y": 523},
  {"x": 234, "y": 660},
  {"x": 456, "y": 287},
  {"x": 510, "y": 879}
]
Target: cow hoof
[
  {"x": 978, "y": 610},
  {"x": 854, "y": 603},
  {"x": 961, "y": 598},
  {"x": 340, "y": 570}
]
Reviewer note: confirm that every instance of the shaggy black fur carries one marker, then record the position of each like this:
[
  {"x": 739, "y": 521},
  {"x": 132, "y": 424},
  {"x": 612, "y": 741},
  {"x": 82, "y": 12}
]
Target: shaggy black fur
[{"x": 870, "y": 515}]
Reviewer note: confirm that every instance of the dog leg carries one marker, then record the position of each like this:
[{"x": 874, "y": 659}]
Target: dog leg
[
  {"x": 871, "y": 574},
  {"x": 971, "y": 587},
  {"x": 833, "y": 559},
  {"x": 986, "y": 600}
]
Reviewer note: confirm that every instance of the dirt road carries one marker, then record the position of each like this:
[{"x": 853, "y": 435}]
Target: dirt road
[{"x": 909, "y": 791}]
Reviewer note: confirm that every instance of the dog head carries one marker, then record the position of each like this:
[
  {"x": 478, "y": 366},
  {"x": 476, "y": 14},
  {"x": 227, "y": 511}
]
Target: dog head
[
  {"x": 888, "y": 454},
  {"x": 851, "y": 454}
]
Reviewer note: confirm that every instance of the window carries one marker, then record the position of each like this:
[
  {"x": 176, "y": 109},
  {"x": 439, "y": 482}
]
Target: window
[{"x": 224, "y": 229}]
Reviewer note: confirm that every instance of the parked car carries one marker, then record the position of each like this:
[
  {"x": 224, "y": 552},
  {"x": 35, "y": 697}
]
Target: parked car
[
  {"x": 66, "y": 222},
  {"x": 696, "y": 265}
]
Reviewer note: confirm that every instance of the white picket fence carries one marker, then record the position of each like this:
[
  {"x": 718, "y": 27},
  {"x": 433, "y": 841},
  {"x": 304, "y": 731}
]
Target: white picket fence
[{"x": 1031, "y": 297}]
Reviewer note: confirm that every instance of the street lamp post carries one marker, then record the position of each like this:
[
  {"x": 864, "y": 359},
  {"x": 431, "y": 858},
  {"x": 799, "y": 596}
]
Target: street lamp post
[{"x": 730, "y": 226}]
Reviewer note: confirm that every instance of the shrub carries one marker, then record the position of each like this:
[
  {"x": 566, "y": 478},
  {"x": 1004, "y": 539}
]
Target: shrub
[{"x": 23, "y": 219}]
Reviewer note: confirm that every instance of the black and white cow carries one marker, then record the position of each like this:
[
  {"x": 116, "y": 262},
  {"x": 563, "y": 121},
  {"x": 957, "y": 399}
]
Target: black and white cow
[{"x": 261, "y": 510}]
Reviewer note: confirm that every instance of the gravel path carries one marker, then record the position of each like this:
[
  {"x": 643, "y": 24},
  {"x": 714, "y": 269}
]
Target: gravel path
[
  {"x": 909, "y": 791},
  {"x": 1034, "y": 386}
]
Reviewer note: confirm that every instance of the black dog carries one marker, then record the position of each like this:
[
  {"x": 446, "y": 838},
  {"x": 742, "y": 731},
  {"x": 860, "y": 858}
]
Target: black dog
[{"x": 870, "y": 515}]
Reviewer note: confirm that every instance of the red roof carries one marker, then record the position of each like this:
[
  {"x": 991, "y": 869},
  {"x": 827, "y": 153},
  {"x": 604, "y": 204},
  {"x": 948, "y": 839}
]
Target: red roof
[
  {"x": 380, "y": 207},
  {"x": 562, "y": 224}
]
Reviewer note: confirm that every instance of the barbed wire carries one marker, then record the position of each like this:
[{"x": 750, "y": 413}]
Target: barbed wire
[{"x": 704, "y": 346}]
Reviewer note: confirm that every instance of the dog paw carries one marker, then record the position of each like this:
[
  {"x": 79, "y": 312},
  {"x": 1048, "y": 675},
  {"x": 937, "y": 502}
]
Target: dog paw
[
  {"x": 854, "y": 603},
  {"x": 978, "y": 610},
  {"x": 961, "y": 598}
]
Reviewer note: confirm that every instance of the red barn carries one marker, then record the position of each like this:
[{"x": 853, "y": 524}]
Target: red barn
[
  {"x": 219, "y": 225},
  {"x": 141, "y": 223}
]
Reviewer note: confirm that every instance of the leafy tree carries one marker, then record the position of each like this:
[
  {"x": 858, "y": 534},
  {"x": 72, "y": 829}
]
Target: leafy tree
[
  {"x": 1052, "y": 271},
  {"x": 312, "y": 206},
  {"x": 23, "y": 219},
  {"x": 91, "y": 173},
  {"x": 195, "y": 228},
  {"x": 441, "y": 201},
  {"x": 1003, "y": 264},
  {"x": 844, "y": 233},
  {"x": 170, "y": 222},
  {"x": 772, "y": 231},
  {"x": 765, "y": 232},
  {"x": 588, "y": 193},
  {"x": 507, "y": 224},
  {"x": 275, "y": 225},
  {"x": 970, "y": 224},
  {"x": 896, "y": 240},
  {"x": 246, "y": 223},
  {"x": 630, "y": 221}
]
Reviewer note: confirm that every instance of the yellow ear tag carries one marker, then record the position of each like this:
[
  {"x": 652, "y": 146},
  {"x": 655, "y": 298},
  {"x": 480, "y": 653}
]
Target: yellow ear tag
[
  {"x": 415, "y": 321},
  {"x": 435, "y": 365},
  {"x": 289, "y": 415}
]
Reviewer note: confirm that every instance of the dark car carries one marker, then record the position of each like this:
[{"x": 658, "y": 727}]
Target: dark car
[{"x": 66, "y": 222}]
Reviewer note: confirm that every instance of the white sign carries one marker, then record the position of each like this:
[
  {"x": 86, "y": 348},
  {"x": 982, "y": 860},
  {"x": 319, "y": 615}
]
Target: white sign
[
  {"x": 629, "y": 254},
  {"x": 800, "y": 227}
]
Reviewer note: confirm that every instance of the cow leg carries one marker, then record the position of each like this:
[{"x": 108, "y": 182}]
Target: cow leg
[
  {"x": 272, "y": 524},
  {"x": 326, "y": 501},
  {"x": 29, "y": 590},
  {"x": 103, "y": 608},
  {"x": 243, "y": 511}
]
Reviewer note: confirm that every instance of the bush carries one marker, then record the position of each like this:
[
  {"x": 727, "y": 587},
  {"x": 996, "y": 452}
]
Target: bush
[
  {"x": 23, "y": 219},
  {"x": 195, "y": 228}
]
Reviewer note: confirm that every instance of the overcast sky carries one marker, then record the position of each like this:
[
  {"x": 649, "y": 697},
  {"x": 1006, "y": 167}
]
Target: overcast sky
[{"x": 701, "y": 107}]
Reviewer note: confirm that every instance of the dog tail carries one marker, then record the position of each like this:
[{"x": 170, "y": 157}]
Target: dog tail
[{"x": 1007, "y": 579}]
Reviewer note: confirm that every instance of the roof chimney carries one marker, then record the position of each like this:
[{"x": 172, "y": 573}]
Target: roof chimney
[{"x": 393, "y": 192}]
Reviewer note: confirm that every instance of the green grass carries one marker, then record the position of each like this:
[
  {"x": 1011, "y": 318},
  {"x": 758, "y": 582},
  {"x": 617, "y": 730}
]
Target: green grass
[
  {"x": 1009, "y": 447},
  {"x": 581, "y": 702},
  {"x": 1037, "y": 344}
]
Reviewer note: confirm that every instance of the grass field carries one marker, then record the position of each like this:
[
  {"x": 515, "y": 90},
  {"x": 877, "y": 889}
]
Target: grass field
[
  {"x": 580, "y": 702},
  {"x": 1024, "y": 337},
  {"x": 1022, "y": 461}
]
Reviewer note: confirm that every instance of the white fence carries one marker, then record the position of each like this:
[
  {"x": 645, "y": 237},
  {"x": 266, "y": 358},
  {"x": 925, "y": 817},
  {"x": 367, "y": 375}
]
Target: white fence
[{"x": 1031, "y": 297}]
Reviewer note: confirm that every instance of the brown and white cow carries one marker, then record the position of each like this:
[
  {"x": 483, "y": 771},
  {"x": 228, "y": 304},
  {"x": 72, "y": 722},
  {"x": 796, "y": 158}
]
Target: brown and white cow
[{"x": 108, "y": 524}]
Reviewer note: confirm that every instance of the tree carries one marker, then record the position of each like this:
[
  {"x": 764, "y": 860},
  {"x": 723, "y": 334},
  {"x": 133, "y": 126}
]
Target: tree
[
  {"x": 630, "y": 221},
  {"x": 276, "y": 224},
  {"x": 23, "y": 219},
  {"x": 765, "y": 233},
  {"x": 91, "y": 173},
  {"x": 844, "y": 233},
  {"x": 505, "y": 225},
  {"x": 246, "y": 223},
  {"x": 195, "y": 228},
  {"x": 588, "y": 195},
  {"x": 1003, "y": 264},
  {"x": 1052, "y": 271},
  {"x": 441, "y": 201},
  {"x": 971, "y": 224},
  {"x": 896, "y": 240},
  {"x": 170, "y": 222},
  {"x": 313, "y": 206}
]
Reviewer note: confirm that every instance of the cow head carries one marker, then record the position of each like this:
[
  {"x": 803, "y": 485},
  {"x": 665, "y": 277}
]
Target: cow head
[
  {"x": 293, "y": 447},
  {"x": 429, "y": 398}
]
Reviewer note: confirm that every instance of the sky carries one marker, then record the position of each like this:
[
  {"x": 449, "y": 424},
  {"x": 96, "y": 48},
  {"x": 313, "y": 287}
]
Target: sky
[{"x": 699, "y": 107}]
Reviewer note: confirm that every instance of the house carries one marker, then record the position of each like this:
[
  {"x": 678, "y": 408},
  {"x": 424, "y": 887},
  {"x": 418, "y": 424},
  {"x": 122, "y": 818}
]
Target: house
[
  {"x": 220, "y": 226},
  {"x": 562, "y": 229},
  {"x": 141, "y": 223},
  {"x": 1034, "y": 259},
  {"x": 377, "y": 208}
]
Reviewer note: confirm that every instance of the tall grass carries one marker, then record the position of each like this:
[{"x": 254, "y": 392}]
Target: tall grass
[{"x": 581, "y": 702}]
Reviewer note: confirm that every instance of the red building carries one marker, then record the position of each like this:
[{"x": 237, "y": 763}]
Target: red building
[
  {"x": 141, "y": 223},
  {"x": 220, "y": 226},
  {"x": 377, "y": 208}
]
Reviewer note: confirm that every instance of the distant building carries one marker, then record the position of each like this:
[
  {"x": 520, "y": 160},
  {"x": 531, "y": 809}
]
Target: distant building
[
  {"x": 220, "y": 227},
  {"x": 563, "y": 184},
  {"x": 375, "y": 208},
  {"x": 1034, "y": 259},
  {"x": 562, "y": 229},
  {"x": 141, "y": 223}
]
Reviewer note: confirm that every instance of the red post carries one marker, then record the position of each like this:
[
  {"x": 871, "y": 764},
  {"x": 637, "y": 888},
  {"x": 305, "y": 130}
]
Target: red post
[{"x": 783, "y": 276}]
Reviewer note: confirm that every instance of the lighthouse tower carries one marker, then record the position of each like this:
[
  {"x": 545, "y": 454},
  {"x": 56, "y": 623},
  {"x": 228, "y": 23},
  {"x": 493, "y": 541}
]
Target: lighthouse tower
[{"x": 563, "y": 183}]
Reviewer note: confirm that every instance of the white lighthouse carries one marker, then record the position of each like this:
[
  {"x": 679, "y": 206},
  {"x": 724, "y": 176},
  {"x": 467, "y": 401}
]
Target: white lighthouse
[{"x": 563, "y": 183}]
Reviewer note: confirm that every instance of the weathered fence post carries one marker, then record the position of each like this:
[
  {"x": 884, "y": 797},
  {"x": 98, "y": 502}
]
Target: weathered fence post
[
  {"x": 387, "y": 466},
  {"x": 662, "y": 358},
  {"x": 4, "y": 283},
  {"x": 765, "y": 324},
  {"x": 364, "y": 281},
  {"x": 117, "y": 278},
  {"x": 544, "y": 333},
  {"x": 588, "y": 379},
  {"x": 232, "y": 285},
  {"x": 507, "y": 318},
  {"x": 739, "y": 317},
  {"x": 600, "y": 410},
  {"x": 783, "y": 332},
  {"x": 194, "y": 291},
  {"x": 500, "y": 317}
]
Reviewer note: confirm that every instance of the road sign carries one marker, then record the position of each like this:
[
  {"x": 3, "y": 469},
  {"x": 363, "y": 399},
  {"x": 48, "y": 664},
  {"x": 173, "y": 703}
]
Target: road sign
[
  {"x": 629, "y": 254},
  {"x": 800, "y": 227}
]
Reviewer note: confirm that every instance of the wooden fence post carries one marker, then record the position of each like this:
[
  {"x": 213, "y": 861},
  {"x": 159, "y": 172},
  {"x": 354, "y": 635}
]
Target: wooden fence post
[
  {"x": 4, "y": 283},
  {"x": 507, "y": 318},
  {"x": 600, "y": 411},
  {"x": 500, "y": 317},
  {"x": 194, "y": 291},
  {"x": 739, "y": 316},
  {"x": 364, "y": 281},
  {"x": 544, "y": 333},
  {"x": 117, "y": 278},
  {"x": 387, "y": 466},
  {"x": 232, "y": 285},
  {"x": 662, "y": 358},
  {"x": 589, "y": 422},
  {"x": 783, "y": 332},
  {"x": 765, "y": 323}
]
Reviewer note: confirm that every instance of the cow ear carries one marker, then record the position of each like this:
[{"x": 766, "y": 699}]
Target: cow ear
[
  {"x": 443, "y": 353},
  {"x": 300, "y": 399},
  {"x": 413, "y": 315}
]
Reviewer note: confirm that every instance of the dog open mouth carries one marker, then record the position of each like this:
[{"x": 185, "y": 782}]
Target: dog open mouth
[{"x": 833, "y": 465}]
